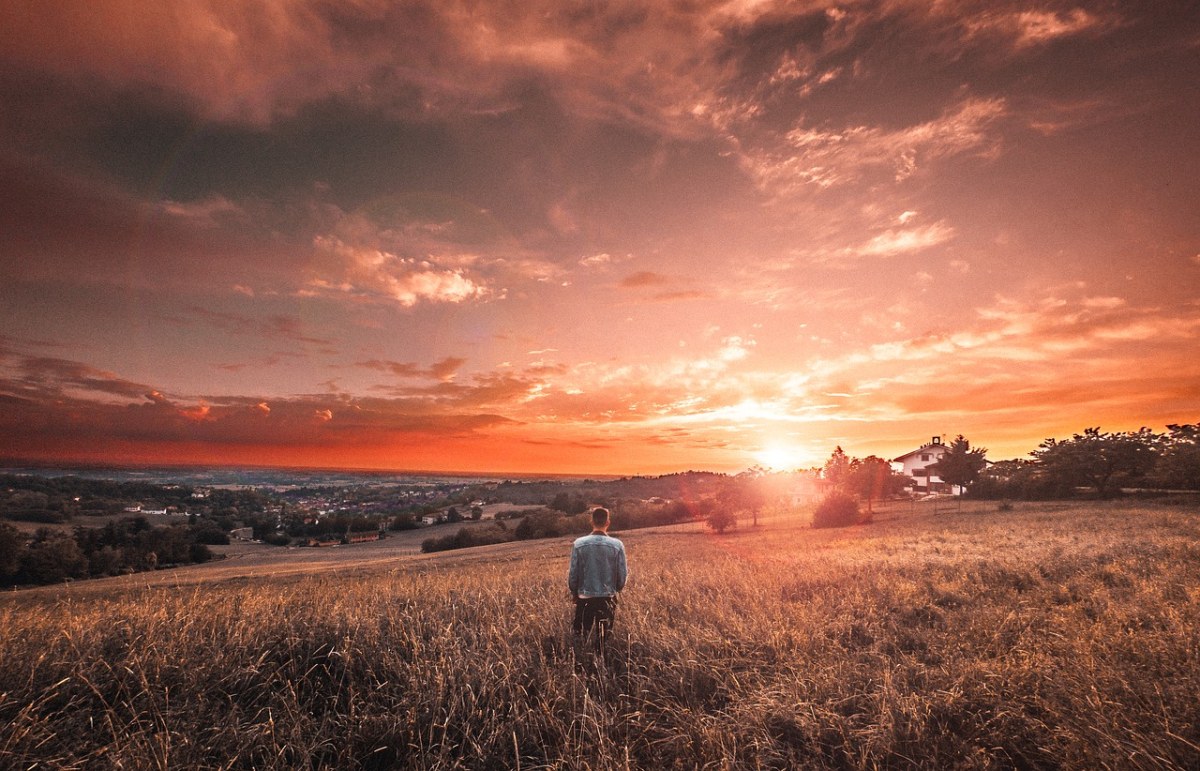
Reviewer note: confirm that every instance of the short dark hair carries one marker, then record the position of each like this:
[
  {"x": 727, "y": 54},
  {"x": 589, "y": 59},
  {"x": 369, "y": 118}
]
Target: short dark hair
[{"x": 599, "y": 516}]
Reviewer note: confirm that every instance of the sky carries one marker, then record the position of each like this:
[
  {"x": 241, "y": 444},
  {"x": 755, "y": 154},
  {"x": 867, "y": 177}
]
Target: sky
[{"x": 566, "y": 236}]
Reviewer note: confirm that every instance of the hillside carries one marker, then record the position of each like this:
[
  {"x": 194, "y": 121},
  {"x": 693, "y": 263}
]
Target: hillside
[{"x": 1049, "y": 636}]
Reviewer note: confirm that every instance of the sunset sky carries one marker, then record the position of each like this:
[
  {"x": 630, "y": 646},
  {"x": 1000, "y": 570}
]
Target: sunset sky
[{"x": 592, "y": 237}]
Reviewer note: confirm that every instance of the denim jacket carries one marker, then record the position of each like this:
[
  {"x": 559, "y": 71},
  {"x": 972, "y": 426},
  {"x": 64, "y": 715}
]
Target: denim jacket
[{"x": 597, "y": 566}]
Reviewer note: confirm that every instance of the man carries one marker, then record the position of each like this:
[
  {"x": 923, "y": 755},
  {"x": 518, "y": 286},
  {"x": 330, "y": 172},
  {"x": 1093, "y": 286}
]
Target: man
[{"x": 597, "y": 573}]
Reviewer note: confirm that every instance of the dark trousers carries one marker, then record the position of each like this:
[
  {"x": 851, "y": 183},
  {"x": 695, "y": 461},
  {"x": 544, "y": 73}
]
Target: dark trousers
[{"x": 594, "y": 614}]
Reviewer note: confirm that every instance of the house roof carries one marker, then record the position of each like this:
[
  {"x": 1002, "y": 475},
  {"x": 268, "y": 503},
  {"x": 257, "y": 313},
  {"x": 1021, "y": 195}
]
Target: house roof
[{"x": 939, "y": 448}]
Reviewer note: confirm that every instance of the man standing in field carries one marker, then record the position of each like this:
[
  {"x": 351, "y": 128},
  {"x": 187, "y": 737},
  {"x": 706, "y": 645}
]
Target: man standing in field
[{"x": 597, "y": 574}]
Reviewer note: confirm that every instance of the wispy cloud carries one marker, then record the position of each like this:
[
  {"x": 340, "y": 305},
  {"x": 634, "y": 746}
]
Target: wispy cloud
[
  {"x": 1028, "y": 28},
  {"x": 904, "y": 240},
  {"x": 374, "y": 274},
  {"x": 828, "y": 157}
]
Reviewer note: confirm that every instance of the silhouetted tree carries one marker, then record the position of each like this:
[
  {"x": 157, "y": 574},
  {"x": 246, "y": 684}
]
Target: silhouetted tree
[
  {"x": 1179, "y": 465},
  {"x": 1098, "y": 459},
  {"x": 960, "y": 465}
]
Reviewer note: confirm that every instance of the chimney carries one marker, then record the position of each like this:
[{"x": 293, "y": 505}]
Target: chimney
[{"x": 936, "y": 440}]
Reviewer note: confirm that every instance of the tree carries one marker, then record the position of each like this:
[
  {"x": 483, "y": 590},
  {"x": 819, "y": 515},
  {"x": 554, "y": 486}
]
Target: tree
[
  {"x": 1019, "y": 478},
  {"x": 872, "y": 478},
  {"x": 1099, "y": 460},
  {"x": 960, "y": 465},
  {"x": 1179, "y": 465},
  {"x": 836, "y": 471},
  {"x": 11, "y": 544},
  {"x": 546, "y": 523},
  {"x": 561, "y": 502},
  {"x": 745, "y": 492},
  {"x": 52, "y": 557}
]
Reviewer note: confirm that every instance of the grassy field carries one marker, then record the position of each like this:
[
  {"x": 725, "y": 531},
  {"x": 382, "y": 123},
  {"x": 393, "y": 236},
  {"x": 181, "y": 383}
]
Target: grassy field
[{"x": 1051, "y": 636}]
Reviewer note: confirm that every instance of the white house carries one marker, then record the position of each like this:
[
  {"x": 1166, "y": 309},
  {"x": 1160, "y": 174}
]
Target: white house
[{"x": 916, "y": 464}]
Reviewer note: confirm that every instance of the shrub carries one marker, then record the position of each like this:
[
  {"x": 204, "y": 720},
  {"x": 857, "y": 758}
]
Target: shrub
[
  {"x": 721, "y": 519},
  {"x": 442, "y": 543},
  {"x": 838, "y": 509}
]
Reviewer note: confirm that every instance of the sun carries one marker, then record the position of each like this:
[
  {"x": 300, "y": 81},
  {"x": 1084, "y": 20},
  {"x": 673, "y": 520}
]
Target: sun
[{"x": 780, "y": 457}]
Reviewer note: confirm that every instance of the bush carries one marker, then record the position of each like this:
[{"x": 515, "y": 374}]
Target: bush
[
  {"x": 838, "y": 509},
  {"x": 721, "y": 519},
  {"x": 443, "y": 543}
]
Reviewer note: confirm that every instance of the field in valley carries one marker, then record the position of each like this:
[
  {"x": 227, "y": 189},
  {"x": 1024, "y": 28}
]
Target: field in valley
[{"x": 1049, "y": 636}]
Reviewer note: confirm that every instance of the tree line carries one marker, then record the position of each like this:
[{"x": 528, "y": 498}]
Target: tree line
[
  {"x": 1093, "y": 462},
  {"x": 124, "y": 546}
]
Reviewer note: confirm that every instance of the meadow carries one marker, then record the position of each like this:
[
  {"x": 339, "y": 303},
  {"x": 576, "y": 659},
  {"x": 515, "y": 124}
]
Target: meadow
[{"x": 1047, "y": 636}]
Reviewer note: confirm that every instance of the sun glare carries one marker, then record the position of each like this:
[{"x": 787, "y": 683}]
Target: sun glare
[{"x": 780, "y": 457}]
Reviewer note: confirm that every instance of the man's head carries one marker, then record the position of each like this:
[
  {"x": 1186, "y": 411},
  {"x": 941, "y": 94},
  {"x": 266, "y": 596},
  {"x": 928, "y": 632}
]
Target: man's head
[{"x": 600, "y": 519}]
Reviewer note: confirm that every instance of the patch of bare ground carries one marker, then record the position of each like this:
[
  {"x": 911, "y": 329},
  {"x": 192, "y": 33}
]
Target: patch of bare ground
[{"x": 1061, "y": 636}]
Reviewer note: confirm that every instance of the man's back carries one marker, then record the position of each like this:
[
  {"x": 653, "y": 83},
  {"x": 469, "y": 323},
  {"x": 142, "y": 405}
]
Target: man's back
[{"x": 598, "y": 566}]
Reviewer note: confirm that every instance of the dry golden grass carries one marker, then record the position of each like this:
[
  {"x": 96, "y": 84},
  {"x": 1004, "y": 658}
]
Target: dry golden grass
[{"x": 1047, "y": 637}]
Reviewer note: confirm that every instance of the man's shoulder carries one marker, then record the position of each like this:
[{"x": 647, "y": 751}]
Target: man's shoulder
[
  {"x": 607, "y": 540},
  {"x": 613, "y": 543}
]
